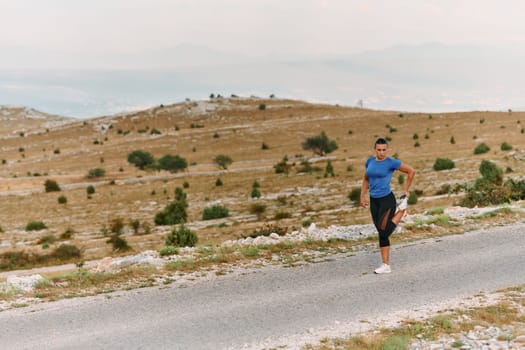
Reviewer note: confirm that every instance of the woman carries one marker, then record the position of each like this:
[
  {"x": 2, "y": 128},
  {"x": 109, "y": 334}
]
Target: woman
[{"x": 379, "y": 170}]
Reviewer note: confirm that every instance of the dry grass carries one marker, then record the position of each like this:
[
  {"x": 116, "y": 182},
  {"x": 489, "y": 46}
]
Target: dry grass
[{"x": 131, "y": 194}]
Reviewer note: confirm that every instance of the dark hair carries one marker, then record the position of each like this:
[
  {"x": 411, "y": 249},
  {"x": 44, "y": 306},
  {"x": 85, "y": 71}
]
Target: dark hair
[{"x": 380, "y": 141}]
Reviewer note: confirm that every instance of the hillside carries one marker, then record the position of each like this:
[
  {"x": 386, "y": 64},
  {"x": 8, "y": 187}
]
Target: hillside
[{"x": 36, "y": 147}]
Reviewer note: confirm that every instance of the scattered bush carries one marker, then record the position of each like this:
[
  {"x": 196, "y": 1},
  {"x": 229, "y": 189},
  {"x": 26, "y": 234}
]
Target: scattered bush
[
  {"x": 443, "y": 164},
  {"x": 215, "y": 212},
  {"x": 255, "y": 193},
  {"x": 90, "y": 190},
  {"x": 66, "y": 252},
  {"x": 67, "y": 234},
  {"x": 262, "y": 107},
  {"x": 264, "y": 146},
  {"x": 116, "y": 226},
  {"x": 119, "y": 243},
  {"x": 355, "y": 195},
  {"x": 401, "y": 179},
  {"x": 97, "y": 172},
  {"x": 257, "y": 209},
  {"x": 506, "y": 147},
  {"x": 282, "y": 167},
  {"x": 181, "y": 237},
  {"x": 175, "y": 212},
  {"x": 267, "y": 230},
  {"x": 35, "y": 226},
  {"x": 51, "y": 186},
  {"x": 320, "y": 144},
  {"x": 223, "y": 161},
  {"x": 481, "y": 148},
  {"x": 491, "y": 172},
  {"x": 281, "y": 214},
  {"x": 412, "y": 198},
  {"x": 62, "y": 200},
  {"x": 169, "y": 250},
  {"x": 141, "y": 159},
  {"x": 135, "y": 225},
  {"x": 452, "y": 140},
  {"x": 50, "y": 239},
  {"x": 218, "y": 182},
  {"x": 172, "y": 163}
]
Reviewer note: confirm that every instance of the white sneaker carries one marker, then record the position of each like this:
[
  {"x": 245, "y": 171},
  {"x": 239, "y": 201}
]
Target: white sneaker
[
  {"x": 403, "y": 203},
  {"x": 384, "y": 268}
]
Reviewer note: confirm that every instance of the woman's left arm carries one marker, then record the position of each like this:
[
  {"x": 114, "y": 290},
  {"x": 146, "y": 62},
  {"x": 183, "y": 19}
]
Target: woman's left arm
[{"x": 407, "y": 169}]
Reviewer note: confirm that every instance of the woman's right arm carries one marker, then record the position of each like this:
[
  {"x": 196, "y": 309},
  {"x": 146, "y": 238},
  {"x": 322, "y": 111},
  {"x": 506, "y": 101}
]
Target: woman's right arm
[{"x": 364, "y": 188}]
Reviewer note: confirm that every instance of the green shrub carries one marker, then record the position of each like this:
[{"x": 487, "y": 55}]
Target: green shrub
[
  {"x": 329, "y": 170},
  {"x": 175, "y": 212},
  {"x": 218, "y": 182},
  {"x": 506, "y": 147},
  {"x": 62, "y": 200},
  {"x": 172, "y": 163},
  {"x": 401, "y": 179},
  {"x": 481, "y": 148},
  {"x": 491, "y": 172},
  {"x": 169, "y": 250},
  {"x": 262, "y": 107},
  {"x": 35, "y": 226},
  {"x": 443, "y": 164},
  {"x": 66, "y": 252},
  {"x": 90, "y": 189},
  {"x": 51, "y": 186},
  {"x": 215, "y": 212},
  {"x": 412, "y": 199},
  {"x": 181, "y": 237},
  {"x": 264, "y": 146},
  {"x": 119, "y": 243},
  {"x": 452, "y": 140},
  {"x": 282, "y": 167},
  {"x": 355, "y": 195},
  {"x": 97, "y": 172},
  {"x": 255, "y": 193}
]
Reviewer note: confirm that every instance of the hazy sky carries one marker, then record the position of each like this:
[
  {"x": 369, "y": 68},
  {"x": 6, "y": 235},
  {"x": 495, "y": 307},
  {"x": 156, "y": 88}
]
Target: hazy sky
[{"x": 256, "y": 27}]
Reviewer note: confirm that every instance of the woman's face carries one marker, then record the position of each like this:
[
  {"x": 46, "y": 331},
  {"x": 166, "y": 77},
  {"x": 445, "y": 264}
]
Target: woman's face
[{"x": 381, "y": 151}]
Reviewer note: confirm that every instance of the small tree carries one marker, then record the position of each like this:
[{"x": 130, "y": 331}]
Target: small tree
[
  {"x": 90, "y": 190},
  {"x": 141, "y": 159},
  {"x": 320, "y": 144},
  {"x": 282, "y": 166},
  {"x": 62, "y": 200},
  {"x": 51, "y": 186},
  {"x": 506, "y": 147},
  {"x": 218, "y": 182},
  {"x": 491, "y": 172},
  {"x": 172, "y": 163},
  {"x": 223, "y": 161}
]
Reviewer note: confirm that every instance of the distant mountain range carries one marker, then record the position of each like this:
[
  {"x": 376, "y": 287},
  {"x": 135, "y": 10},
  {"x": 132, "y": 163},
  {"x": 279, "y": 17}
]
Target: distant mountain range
[{"x": 431, "y": 77}]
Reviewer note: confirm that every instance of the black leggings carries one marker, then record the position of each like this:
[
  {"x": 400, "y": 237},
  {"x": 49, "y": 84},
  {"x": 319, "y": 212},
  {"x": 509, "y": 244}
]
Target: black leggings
[{"x": 383, "y": 210}]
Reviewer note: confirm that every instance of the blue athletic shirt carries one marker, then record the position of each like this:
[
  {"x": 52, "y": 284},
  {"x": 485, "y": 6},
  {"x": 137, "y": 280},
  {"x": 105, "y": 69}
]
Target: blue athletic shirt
[{"x": 379, "y": 175}]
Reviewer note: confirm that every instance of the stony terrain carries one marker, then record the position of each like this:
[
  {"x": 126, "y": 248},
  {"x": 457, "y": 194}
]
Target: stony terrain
[{"x": 304, "y": 204}]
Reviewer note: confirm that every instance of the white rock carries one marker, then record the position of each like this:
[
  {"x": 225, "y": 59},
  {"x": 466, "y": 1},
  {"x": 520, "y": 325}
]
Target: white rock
[
  {"x": 25, "y": 283},
  {"x": 274, "y": 236},
  {"x": 312, "y": 228}
]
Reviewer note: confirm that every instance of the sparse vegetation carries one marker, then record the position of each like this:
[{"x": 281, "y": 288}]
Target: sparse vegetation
[
  {"x": 481, "y": 148},
  {"x": 96, "y": 172},
  {"x": 35, "y": 226},
  {"x": 141, "y": 159},
  {"x": 215, "y": 212},
  {"x": 181, "y": 236},
  {"x": 51, "y": 186},
  {"x": 443, "y": 164},
  {"x": 175, "y": 212}
]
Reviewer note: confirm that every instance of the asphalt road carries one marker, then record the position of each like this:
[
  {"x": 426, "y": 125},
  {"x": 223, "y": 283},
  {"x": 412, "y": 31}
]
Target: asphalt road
[{"x": 233, "y": 310}]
